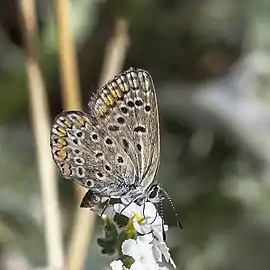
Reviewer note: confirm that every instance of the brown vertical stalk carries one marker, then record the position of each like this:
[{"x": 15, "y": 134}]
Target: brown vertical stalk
[
  {"x": 81, "y": 234},
  {"x": 40, "y": 118},
  {"x": 71, "y": 98}
]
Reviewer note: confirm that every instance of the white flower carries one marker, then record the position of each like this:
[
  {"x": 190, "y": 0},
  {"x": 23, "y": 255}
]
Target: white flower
[
  {"x": 149, "y": 250},
  {"x": 159, "y": 249},
  {"x": 141, "y": 251},
  {"x": 145, "y": 217},
  {"x": 117, "y": 265}
]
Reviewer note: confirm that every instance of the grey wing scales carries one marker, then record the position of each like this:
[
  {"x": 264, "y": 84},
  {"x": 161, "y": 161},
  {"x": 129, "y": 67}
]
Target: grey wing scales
[
  {"x": 126, "y": 107},
  {"x": 87, "y": 154}
]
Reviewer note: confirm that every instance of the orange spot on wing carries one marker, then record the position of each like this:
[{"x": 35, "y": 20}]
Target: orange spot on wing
[
  {"x": 61, "y": 132},
  {"x": 68, "y": 123},
  {"x": 80, "y": 122},
  {"x": 118, "y": 93},
  {"x": 102, "y": 111},
  {"x": 66, "y": 170},
  {"x": 61, "y": 142},
  {"x": 126, "y": 87},
  {"x": 111, "y": 99},
  {"x": 113, "y": 92},
  {"x": 61, "y": 154}
]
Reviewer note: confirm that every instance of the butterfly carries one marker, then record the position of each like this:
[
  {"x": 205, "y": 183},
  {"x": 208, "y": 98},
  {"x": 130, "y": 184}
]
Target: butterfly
[{"x": 114, "y": 149}]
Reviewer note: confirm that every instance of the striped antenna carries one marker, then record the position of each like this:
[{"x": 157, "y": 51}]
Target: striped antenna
[{"x": 173, "y": 207}]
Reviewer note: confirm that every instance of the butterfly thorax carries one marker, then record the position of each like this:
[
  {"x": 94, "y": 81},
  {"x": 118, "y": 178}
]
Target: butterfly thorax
[
  {"x": 139, "y": 195},
  {"x": 130, "y": 192}
]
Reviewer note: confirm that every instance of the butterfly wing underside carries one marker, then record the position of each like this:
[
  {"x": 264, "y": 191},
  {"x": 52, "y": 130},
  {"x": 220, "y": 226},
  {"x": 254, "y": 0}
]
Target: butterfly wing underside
[
  {"x": 85, "y": 153},
  {"x": 126, "y": 107},
  {"x": 114, "y": 146}
]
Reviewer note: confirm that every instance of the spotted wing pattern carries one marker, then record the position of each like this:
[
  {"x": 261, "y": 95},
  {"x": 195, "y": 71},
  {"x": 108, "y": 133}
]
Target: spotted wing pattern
[
  {"x": 87, "y": 154},
  {"x": 117, "y": 143},
  {"x": 126, "y": 107}
]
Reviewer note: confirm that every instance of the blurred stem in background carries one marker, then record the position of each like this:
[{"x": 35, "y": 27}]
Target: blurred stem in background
[
  {"x": 114, "y": 58},
  {"x": 71, "y": 99},
  {"x": 41, "y": 126}
]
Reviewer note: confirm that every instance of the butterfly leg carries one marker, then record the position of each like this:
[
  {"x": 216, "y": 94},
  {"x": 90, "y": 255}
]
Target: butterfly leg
[
  {"x": 126, "y": 206},
  {"x": 106, "y": 206}
]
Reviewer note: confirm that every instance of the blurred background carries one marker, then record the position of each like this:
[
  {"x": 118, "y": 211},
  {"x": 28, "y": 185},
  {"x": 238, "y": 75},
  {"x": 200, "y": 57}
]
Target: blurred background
[{"x": 210, "y": 64}]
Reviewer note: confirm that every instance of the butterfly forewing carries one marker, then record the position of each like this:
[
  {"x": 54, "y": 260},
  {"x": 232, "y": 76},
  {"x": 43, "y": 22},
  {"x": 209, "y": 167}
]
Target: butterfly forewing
[
  {"x": 85, "y": 152},
  {"x": 126, "y": 108}
]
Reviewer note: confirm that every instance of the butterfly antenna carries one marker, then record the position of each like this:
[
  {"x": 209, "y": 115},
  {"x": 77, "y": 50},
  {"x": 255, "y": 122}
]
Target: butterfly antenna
[
  {"x": 162, "y": 216},
  {"x": 174, "y": 210}
]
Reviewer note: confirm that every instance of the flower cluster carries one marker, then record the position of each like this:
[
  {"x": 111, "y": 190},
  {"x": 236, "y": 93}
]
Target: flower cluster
[{"x": 140, "y": 242}]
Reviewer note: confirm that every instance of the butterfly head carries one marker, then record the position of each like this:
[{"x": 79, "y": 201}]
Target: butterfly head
[{"x": 154, "y": 194}]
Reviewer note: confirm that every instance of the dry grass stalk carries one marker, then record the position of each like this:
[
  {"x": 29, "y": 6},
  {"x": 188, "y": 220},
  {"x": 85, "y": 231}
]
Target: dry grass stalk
[
  {"x": 71, "y": 98},
  {"x": 114, "y": 58},
  {"x": 40, "y": 118}
]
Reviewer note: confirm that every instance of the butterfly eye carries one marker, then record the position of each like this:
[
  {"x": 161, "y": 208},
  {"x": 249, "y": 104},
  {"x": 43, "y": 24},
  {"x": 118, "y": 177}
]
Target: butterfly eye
[{"x": 153, "y": 193}]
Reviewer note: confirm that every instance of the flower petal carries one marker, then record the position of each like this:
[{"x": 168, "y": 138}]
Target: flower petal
[
  {"x": 157, "y": 228},
  {"x": 172, "y": 263},
  {"x": 137, "y": 265},
  {"x": 157, "y": 254},
  {"x": 149, "y": 211},
  {"x": 161, "y": 246},
  {"x": 141, "y": 228},
  {"x": 120, "y": 208},
  {"x": 116, "y": 265},
  {"x": 127, "y": 211},
  {"x": 130, "y": 248},
  {"x": 146, "y": 239},
  {"x": 135, "y": 208}
]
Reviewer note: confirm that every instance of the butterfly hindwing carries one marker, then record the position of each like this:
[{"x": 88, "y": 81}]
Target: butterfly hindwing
[{"x": 87, "y": 154}]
